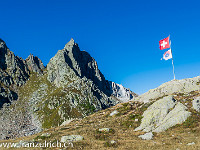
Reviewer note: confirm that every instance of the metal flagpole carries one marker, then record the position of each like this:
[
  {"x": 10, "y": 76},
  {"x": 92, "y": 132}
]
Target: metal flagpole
[
  {"x": 172, "y": 60},
  {"x": 173, "y": 67}
]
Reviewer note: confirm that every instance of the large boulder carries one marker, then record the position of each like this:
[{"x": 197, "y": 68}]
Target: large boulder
[
  {"x": 196, "y": 104},
  {"x": 163, "y": 114},
  {"x": 71, "y": 138}
]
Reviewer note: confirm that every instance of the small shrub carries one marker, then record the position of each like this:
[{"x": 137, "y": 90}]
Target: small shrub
[{"x": 101, "y": 135}]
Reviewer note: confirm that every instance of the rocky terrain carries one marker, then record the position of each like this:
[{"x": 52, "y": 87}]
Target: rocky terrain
[
  {"x": 34, "y": 97},
  {"x": 169, "y": 121}
]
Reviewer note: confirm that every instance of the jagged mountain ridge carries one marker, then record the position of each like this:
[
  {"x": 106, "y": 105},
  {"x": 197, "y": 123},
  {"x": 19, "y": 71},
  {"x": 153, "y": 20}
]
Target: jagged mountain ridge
[
  {"x": 14, "y": 72},
  {"x": 71, "y": 86}
]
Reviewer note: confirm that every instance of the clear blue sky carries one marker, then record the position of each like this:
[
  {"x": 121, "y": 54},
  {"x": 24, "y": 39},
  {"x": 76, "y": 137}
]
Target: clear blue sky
[{"x": 121, "y": 35}]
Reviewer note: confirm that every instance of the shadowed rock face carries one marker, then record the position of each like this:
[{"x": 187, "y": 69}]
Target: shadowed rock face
[
  {"x": 14, "y": 72},
  {"x": 7, "y": 96},
  {"x": 14, "y": 66},
  {"x": 3, "y": 52},
  {"x": 80, "y": 63}
]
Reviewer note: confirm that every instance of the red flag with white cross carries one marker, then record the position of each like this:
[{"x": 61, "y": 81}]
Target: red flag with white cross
[{"x": 164, "y": 43}]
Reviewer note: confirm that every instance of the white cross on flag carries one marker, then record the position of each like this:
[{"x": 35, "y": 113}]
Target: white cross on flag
[{"x": 164, "y": 43}]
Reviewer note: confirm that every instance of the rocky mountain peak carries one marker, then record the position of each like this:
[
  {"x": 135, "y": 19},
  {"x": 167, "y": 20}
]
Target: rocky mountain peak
[
  {"x": 71, "y": 43},
  {"x": 34, "y": 64},
  {"x": 14, "y": 66},
  {"x": 79, "y": 62}
]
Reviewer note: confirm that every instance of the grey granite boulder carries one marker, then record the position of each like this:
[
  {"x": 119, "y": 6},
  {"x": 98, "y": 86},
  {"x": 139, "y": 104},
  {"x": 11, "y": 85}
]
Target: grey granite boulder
[
  {"x": 71, "y": 138},
  {"x": 163, "y": 114},
  {"x": 146, "y": 136},
  {"x": 196, "y": 104}
]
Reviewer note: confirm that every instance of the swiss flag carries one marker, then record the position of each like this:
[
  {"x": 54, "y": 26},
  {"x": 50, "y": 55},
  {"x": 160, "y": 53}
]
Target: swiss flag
[{"x": 164, "y": 43}]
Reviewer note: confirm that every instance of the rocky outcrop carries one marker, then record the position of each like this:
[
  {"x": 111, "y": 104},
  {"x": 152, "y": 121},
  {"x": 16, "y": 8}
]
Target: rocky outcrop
[
  {"x": 7, "y": 96},
  {"x": 71, "y": 138},
  {"x": 13, "y": 65},
  {"x": 34, "y": 64},
  {"x": 196, "y": 104},
  {"x": 163, "y": 114},
  {"x": 122, "y": 93},
  {"x": 146, "y": 136},
  {"x": 13, "y": 73},
  {"x": 171, "y": 87}
]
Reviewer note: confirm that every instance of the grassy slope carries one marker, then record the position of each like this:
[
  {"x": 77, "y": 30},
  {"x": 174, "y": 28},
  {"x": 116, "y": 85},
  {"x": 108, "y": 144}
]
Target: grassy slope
[
  {"x": 56, "y": 97},
  {"x": 123, "y": 125}
]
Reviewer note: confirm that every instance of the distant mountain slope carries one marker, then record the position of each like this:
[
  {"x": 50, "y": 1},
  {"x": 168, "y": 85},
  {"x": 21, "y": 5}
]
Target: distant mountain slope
[{"x": 71, "y": 86}]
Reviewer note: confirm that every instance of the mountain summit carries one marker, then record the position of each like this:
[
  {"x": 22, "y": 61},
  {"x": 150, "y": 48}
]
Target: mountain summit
[{"x": 33, "y": 98}]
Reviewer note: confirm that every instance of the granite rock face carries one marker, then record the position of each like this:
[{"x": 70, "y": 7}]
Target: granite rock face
[
  {"x": 163, "y": 114},
  {"x": 35, "y": 64},
  {"x": 122, "y": 93},
  {"x": 71, "y": 138},
  {"x": 14, "y": 72},
  {"x": 171, "y": 87},
  {"x": 14, "y": 66},
  {"x": 196, "y": 104},
  {"x": 146, "y": 136}
]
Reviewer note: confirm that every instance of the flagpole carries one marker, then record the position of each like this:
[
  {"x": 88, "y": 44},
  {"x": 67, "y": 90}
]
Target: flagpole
[
  {"x": 172, "y": 61},
  {"x": 173, "y": 68}
]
